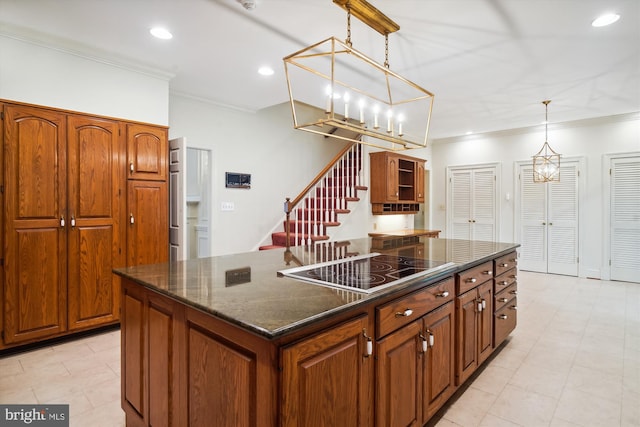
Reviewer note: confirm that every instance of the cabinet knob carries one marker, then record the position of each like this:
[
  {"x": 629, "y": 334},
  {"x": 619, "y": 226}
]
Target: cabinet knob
[
  {"x": 487, "y": 273},
  {"x": 484, "y": 304},
  {"x": 131, "y": 167},
  {"x": 514, "y": 307},
  {"x": 503, "y": 317},
  {"x": 431, "y": 339},
  {"x": 62, "y": 221},
  {"x": 514, "y": 292},
  {"x": 131, "y": 219},
  {"x": 408, "y": 312},
  {"x": 73, "y": 221},
  {"x": 503, "y": 299},
  {"x": 504, "y": 264},
  {"x": 443, "y": 294},
  {"x": 479, "y": 307},
  {"x": 471, "y": 280},
  {"x": 504, "y": 283}
]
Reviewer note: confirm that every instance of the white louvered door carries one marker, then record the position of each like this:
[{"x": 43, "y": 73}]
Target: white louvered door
[
  {"x": 549, "y": 222},
  {"x": 625, "y": 219},
  {"x": 472, "y": 196}
]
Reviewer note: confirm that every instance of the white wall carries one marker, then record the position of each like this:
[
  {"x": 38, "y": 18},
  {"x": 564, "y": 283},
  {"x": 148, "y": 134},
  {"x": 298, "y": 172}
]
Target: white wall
[
  {"x": 33, "y": 73},
  {"x": 280, "y": 159},
  {"x": 589, "y": 139}
]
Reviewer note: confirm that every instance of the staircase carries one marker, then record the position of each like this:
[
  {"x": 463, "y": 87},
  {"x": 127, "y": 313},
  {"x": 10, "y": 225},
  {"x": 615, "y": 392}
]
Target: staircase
[{"x": 310, "y": 216}]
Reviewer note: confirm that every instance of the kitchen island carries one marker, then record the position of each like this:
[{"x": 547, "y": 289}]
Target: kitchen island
[{"x": 236, "y": 341}]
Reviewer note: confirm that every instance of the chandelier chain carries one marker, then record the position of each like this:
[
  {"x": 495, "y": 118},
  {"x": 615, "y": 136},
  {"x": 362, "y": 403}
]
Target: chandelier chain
[
  {"x": 386, "y": 50},
  {"x": 348, "y": 41}
]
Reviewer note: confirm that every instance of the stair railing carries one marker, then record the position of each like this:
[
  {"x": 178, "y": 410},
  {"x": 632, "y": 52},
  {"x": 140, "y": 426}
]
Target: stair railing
[{"x": 318, "y": 190}]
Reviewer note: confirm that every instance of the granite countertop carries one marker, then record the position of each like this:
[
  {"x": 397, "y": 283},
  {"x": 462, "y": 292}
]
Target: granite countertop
[{"x": 246, "y": 290}]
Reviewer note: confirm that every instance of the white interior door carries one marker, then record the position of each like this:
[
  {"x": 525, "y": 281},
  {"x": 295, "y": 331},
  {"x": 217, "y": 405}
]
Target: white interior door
[
  {"x": 549, "y": 214},
  {"x": 625, "y": 219},
  {"x": 177, "y": 199},
  {"x": 472, "y": 203}
]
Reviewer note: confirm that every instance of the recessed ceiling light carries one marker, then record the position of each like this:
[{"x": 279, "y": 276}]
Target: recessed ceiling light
[
  {"x": 469, "y": 132},
  {"x": 161, "y": 33},
  {"x": 604, "y": 20},
  {"x": 265, "y": 71}
]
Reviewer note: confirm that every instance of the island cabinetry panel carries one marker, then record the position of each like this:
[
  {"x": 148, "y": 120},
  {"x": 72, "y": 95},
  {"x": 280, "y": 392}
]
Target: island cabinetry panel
[
  {"x": 506, "y": 289},
  {"x": 397, "y": 183},
  {"x": 474, "y": 314},
  {"x": 229, "y": 376},
  {"x": 414, "y": 368},
  {"x": 151, "y": 393},
  {"x": 61, "y": 219},
  {"x": 327, "y": 379},
  {"x": 176, "y": 371}
]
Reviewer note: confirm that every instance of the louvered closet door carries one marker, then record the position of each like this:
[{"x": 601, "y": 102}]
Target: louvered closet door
[
  {"x": 549, "y": 222},
  {"x": 473, "y": 204},
  {"x": 625, "y": 219}
]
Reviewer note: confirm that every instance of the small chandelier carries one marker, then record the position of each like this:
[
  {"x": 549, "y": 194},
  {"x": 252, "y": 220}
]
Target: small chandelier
[
  {"x": 342, "y": 93},
  {"x": 546, "y": 164}
]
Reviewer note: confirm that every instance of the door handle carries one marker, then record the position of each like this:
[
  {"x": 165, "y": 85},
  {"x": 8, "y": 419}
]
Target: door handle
[
  {"x": 131, "y": 219},
  {"x": 62, "y": 221}
]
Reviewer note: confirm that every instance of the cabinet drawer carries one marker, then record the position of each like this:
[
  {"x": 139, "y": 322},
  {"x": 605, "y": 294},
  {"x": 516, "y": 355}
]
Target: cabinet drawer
[
  {"x": 505, "y": 280},
  {"x": 505, "y": 262},
  {"x": 505, "y": 321},
  {"x": 472, "y": 277},
  {"x": 506, "y": 294},
  {"x": 400, "y": 312}
]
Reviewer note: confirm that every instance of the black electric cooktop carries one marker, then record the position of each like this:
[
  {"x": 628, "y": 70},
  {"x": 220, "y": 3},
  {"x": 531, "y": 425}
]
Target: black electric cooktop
[{"x": 365, "y": 273}]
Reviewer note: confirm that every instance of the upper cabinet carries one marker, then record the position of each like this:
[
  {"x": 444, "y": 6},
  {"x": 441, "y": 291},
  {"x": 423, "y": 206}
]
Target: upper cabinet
[
  {"x": 397, "y": 183},
  {"x": 147, "y": 152}
]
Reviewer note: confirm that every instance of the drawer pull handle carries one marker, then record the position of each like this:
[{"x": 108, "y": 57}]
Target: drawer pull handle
[
  {"x": 514, "y": 307},
  {"x": 443, "y": 294},
  {"x": 503, "y": 300},
  {"x": 425, "y": 344},
  {"x": 408, "y": 312},
  {"x": 514, "y": 292},
  {"x": 504, "y": 283},
  {"x": 504, "y": 264},
  {"x": 488, "y": 272},
  {"x": 369, "y": 343},
  {"x": 471, "y": 280},
  {"x": 503, "y": 317}
]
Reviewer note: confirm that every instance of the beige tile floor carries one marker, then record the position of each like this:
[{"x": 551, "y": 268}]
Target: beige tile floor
[{"x": 574, "y": 360}]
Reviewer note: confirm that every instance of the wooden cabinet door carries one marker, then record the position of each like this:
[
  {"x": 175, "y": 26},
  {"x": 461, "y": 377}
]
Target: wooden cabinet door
[
  {"x": 148, "y": 226},
  {"x": 485, "y": 321},
  {"x": 93, "y": 212},
  {"x": 420, "y": 189},
  {"x": 467, "y": 335},
  {"x": 147, "y": 152},
  {"x": 327, "y": 378},
  {"x": 399, "y": 377},
  {"x": 439, "y": 363},
  {"x": 35, "y": 224},
  {"x": 392, "y": 174}
]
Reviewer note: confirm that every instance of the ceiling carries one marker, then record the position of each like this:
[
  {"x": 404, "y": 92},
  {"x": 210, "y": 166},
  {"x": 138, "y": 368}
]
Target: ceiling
[{"x": 490, "y": 63}]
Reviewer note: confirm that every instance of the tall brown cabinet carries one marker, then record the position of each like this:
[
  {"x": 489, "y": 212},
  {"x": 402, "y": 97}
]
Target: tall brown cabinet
[{"x": 65, "y": 207}]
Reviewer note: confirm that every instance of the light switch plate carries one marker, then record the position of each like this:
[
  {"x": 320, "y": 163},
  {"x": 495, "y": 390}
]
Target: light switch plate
[{"x": 227, "y": 206}]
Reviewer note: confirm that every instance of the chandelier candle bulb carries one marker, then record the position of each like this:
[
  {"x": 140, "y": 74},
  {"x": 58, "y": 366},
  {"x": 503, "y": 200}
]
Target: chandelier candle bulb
[
  {"x": 389, "y": 116},
  {"x": 375, "y": 118},
  {"x": 361, "y": 105}
]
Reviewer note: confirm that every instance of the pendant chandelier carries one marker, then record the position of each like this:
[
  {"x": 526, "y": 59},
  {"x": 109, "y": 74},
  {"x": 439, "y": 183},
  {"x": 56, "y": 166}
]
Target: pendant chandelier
[
  {"x": 546, "y": 163},
  {"x": 338, "y": 91}
]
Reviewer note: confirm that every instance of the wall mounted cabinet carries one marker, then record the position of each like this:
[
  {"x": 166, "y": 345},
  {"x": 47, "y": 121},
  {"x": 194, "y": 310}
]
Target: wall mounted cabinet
[
  {"x": 64, "y": 204},
  {"x": 397, "y": 183}
]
